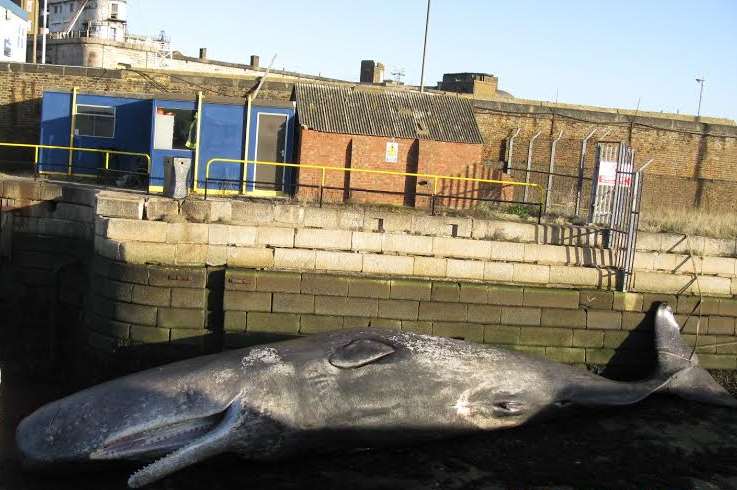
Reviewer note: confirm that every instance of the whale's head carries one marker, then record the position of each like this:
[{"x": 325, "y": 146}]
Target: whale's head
[{"x": 145, "y": 416}]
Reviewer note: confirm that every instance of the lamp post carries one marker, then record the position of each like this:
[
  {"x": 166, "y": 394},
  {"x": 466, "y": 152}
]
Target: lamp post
[
  {"x": 424, "y": 49},
  {"x": 700, "y": 81},
  {"x": 45, "y": 30}
]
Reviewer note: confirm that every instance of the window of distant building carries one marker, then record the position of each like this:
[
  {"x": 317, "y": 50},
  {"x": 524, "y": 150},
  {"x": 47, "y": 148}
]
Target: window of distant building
[
  {"x": 113, "y": 10},
  {"x": 95, "y": 120}
]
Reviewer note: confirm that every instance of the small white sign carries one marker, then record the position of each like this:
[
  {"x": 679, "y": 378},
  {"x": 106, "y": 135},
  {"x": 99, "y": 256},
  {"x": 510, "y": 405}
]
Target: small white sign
[
  {"x": 392, "y": 152},
  {"x": 607, "y": 172}
]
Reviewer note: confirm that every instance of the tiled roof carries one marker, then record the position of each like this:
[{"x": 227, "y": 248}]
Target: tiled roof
[{"x": 380, "y": 112}]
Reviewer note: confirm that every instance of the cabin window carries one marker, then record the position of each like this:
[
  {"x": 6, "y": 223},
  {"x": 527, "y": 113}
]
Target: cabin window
[
  {"x": 94, "y": 120},
  {"x": 175, "y": 129}
]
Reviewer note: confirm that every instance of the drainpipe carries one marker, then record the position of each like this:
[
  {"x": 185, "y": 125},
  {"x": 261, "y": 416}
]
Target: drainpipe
[
  {"x": 551, "y": 169},
  {"x": 510, "y": 150},
  {"x": 581, "y": 163},
  {"x": 529, "y": 162}
]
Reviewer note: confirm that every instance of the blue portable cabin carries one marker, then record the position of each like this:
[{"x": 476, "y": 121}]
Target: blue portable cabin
[{"x": 167, "y": 127}]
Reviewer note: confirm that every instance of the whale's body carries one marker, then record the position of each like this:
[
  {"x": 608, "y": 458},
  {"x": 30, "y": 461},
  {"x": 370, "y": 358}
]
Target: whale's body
[{"x": 345, "y": 389}]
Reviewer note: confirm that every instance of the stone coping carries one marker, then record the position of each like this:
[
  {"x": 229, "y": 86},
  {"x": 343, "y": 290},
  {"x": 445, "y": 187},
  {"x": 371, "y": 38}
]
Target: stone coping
[
  {"x": 390, "y": 254},
  {"x": 132, "y": 205}
]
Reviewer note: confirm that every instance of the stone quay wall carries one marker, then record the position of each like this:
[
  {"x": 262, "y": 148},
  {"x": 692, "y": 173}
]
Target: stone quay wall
[{"x": 142, "y": 279}]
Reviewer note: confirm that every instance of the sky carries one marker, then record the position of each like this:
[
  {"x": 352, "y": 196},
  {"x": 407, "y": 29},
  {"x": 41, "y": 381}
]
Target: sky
[{"x": 611, "y": 54}]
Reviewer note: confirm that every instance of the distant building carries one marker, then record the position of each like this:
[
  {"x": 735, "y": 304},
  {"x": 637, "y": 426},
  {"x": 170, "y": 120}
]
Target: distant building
[
  {"x": 95, "y": 33},
  {"x": 480, "y": 85},
  {"x": 100, "y": 19},
  {"x": 13, "y": 32},
  {"x": 372, "y": 72}
]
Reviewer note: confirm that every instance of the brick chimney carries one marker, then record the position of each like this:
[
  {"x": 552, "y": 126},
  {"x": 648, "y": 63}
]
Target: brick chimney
[
  {"x": 254, "y": 61},
  {"x": 203, "y": 53}
]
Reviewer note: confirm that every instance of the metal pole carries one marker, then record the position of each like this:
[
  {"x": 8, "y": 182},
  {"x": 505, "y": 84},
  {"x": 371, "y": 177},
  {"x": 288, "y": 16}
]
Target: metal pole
[
  {"x": 34, "y": 13},
  {"x": 529, "y": 163},
  {"x": 510, "y": 150},
  {"x": 424, "y": 49},
  {"x": 581, "y": 164},
  {"x": 44, "y": 31},
  {"x": 551, "y": 169},
  {"x": 72, "y": 128},
  {"x": 701, "y": 94}
]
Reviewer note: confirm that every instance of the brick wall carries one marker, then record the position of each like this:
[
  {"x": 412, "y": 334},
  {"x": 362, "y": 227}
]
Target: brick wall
[
  {"x": 693, "y": 166},
  {"x": 369, "y": 152}
]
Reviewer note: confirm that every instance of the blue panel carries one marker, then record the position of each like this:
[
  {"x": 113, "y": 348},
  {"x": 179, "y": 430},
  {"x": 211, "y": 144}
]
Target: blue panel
[
  {"x": 221, "y": 136},
  {"x": 132, "y": 134},
  {"x": 55, "y": 127},
  {"x": 253, "y": 138}
]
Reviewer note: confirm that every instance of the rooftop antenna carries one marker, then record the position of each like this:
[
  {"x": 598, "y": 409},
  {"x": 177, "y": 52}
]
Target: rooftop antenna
[{"x": 398, "y": 74}]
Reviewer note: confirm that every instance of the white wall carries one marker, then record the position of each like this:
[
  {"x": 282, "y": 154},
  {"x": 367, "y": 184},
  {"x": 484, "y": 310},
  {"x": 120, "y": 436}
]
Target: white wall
[{"x": 13, "y": 32}]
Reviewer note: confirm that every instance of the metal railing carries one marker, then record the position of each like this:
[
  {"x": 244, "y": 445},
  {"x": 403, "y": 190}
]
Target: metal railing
[
  {"x": 323, "y": 169},
  {"x": 70, "y": 167}
]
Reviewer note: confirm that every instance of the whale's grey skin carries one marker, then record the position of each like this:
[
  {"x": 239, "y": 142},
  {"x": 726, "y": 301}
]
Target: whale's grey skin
[{"x": 345, "y": 389}]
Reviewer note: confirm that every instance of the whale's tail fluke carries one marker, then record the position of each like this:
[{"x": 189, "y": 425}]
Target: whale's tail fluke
[{"x": 680, "y": 363}]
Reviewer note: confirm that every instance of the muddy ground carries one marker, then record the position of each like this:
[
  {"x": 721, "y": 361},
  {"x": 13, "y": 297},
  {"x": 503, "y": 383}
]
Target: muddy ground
[{"x": 661, "y": 443}]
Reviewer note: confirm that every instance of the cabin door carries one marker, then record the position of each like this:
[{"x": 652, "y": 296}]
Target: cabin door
[{"x": 271, "y": 146}]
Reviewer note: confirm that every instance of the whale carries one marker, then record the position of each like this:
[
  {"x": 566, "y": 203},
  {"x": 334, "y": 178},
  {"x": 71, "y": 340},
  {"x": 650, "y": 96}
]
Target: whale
[{"x": 336, "y": 391}]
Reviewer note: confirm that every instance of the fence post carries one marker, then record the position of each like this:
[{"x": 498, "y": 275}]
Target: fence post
[
  {"x": 551, "y": 169},
  {"x": 581, "y": 164},
  {"x": 529, "y": 163}
]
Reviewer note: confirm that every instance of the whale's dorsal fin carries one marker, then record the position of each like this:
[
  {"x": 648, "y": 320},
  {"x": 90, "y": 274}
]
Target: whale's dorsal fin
[{"x": 359, "y": 353}]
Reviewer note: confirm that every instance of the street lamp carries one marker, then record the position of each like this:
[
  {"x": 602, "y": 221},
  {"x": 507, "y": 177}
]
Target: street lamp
[
  {"x": 700, "y": 81},
  {"x": 424, "y": 49}
]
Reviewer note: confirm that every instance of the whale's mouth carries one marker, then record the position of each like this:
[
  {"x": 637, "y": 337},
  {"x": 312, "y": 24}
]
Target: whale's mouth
[{"x": 157, "y": 441}]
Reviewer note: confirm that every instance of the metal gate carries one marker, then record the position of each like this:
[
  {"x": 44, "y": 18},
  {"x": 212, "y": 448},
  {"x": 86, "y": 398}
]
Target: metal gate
[{"x": 616, "y": 196}]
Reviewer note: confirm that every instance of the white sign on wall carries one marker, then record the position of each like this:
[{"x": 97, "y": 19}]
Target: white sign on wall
[
  {"x": 607, "y": 172},
  {"x": 392, "y": 152}
]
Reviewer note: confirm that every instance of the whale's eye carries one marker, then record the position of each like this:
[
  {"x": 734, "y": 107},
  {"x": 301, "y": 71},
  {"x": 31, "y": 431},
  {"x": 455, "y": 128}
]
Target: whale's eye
[{"x": 507, "y": 408}]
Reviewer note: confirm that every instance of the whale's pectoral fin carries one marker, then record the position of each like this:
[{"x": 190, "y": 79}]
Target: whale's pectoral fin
[
  {"x": 360, "y": 353},
  {"x": 211, "y": 444},
  {"x": 679, "y": 362}
]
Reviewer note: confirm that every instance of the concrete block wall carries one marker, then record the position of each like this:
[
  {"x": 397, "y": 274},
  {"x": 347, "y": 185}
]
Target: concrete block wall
[
  {"x": 575, "y": 326},
  {"x": 135, "y": 311}
]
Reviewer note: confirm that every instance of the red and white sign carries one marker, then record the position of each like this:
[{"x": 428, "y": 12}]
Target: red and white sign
[{"x": 607, "y": 172}]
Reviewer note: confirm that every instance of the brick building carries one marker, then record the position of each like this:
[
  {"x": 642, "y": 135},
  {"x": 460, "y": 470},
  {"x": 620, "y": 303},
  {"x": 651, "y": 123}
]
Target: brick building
[{"x": 376, "y": 129}]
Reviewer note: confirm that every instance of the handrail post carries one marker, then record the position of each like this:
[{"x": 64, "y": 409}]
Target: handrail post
[
  {"x": 434, "y": 195},
  {"x": 107, "y": 160},
  {"x": 72, "y": 125},
  {"x": 35, "y": 162},
  {"x": 322, "y": 185}
]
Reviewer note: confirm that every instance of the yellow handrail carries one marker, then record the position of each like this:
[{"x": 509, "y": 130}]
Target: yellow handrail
[
  {"x": 324, "y": 168},
  {"x": 74, "y": 148}
]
